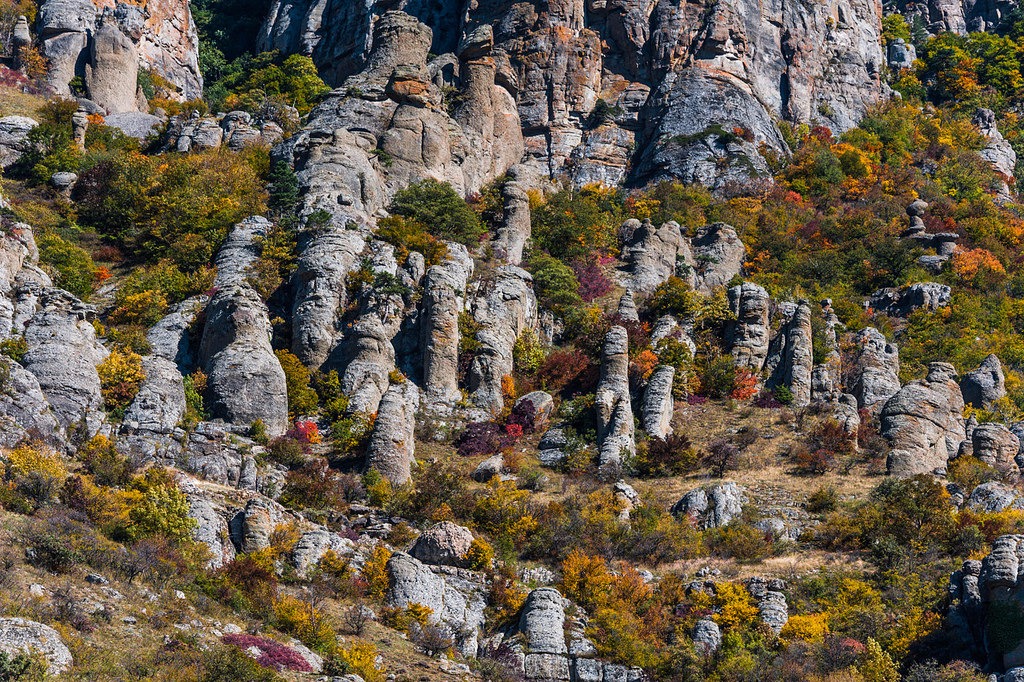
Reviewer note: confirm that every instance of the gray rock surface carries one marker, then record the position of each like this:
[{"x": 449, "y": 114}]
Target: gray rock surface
[
  {"x": 658, "y": 405},
  {"x": 392, "y": 447},
  {"x": 712, "y": 507},
  {"x": 900, "y": 302},
  {"x": 112, "y": 73},
  {"x": 615, "y": 429},
  {"x": 924, "y": 424},
  {"x": 996, "y": 445},
  {"x": 443, "y": 544},
  {"x": 543, "y": 406},
  {"x": 456, "y": 596},
  {"x": 313, "y": 545},
  {"x": 983, "y": 386},
  {"x": 14, "y": 132},
  {"x": 748, "y": 335},
  {"x": 542, "y": 622},
  {"x": 997, "y": 151},
  {"x": 873, "y": 377},
  {"x": 790, "y": 355},
  {"x": 707, "y": 637},
  {"x": 718, "y": 256},
  {"x": 22, "y": 636},
  {"x": 651, "y": 254},
  {"x": 24, "y": 410},
  {"x": 505, "y": 309},
  {"x": 444, "y": 290},
  {"x": 514, "y": 232},
  {"x": 994, "y": 496},
  {"x": 63, "y": 353}
]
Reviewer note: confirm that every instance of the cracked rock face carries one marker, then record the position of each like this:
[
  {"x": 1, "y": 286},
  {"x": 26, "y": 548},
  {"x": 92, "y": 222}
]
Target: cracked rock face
[
  {"x": 445, "y": 543},
  {"x": 748, "y": 335},
  {"x": 159, "y": 33},
  {"x": 658, "y": 403},
  {"x": 924, "y": 423},
  {"x": 712, "y": 507},
  {"x": 687, "y": 92},
  {"x": 22, "y": 636}
]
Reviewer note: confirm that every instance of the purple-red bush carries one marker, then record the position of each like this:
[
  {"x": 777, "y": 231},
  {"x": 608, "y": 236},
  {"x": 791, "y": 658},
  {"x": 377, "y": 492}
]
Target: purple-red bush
[
  {"x": 272, "y": 654},
  {"x": 480, "y": 438},
  {"x": 593, "y": 282},
  {"x": 522, "y": 415}
]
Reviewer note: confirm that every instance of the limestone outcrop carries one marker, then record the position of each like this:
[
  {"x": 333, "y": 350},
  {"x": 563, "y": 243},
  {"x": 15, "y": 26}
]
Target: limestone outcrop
[
  {"x": 748, "y": 335},
  {"x": 924, "y": 423},
  {"x": 873, "y": 376},
  {"x": 790, "y": 357},
  {"x": 392, "y": 446}
]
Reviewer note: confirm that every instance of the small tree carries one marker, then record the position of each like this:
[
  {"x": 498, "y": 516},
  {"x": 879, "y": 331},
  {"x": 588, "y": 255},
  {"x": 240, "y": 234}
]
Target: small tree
[
  {"x": 437, "y": 206},
  {"x": 721, "y": 456}
]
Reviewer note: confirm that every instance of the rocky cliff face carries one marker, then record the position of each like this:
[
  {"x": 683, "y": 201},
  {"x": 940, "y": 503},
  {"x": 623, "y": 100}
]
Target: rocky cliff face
[
  {"x": 105, "y": 42},
  {"x": 635, "y": 90}
]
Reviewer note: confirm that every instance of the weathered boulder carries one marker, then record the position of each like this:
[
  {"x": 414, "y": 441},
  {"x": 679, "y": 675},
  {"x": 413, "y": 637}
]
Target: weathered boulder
[
  {"x": 707, "y": 637},
  {"x": 997, "y": 151},
  {"x": 14, "y": 142},
  {"x": 652, "y": 254},
  {"x": 159, "y": 405},
  {"x": 983, "y": 386},
  {"x": 712, "y": 507},
  {"x": 63, "y": 353},
  {"x": 748, "y": 335},
  {"x": 512, "y": 235},
  {"x": 392, "y": 446},
  {"x": 996, "y": 445},
  {"x": 542, "y": 405},
  {"x": 615, "y": 427},
  {"x": 790, "y": 358},
  {"x": 444, "y": 543},
  {"x": 771, "y": 601},
  {"x": 489, "y": 468},
  {"x": 456, "y": 597},
  {"x": 24, "y": 410},
  {"x": 542, "y": 622},
  {"x": 994, "y": 496},
  {"x": 873, "y": 376},
  {"x": 112, "y": 74},
  {"x": 250, "y": 529},
  {"x": 718, "y": 256},
  {"x": 924, "y": 424},
  {"x": 23, "y": 636},
  {"x": 211, "y": 527},
  {"x": 313, "y": 544},
  {"x": 551, "y": 448},
  {"x": 245, "y": 381},
  {"x": 658, "y": 402}
]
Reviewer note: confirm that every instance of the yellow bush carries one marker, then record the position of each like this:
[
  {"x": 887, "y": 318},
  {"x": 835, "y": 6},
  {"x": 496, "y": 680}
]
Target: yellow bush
[
  {"x": 586, "y": 579},
  {"x": 121, "y": 375},
  {"x": 736, "y": 608},
  {"x": 37, "y": 471},
  {"x": 144, "y": 308},
  {"x": 375, "y": 572},
  {"x": 361, "y": 658},
  {"x": 162, "y": 509},
  {"x": 480, "y": 556},
  {"x": 502, "y": 512},
  {"x": 806, "y": 628},
  {"x": 878, "y": 666},
  {"x": 304, "y": 621}
]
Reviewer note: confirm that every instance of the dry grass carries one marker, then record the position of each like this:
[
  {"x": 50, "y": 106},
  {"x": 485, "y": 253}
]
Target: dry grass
[{"x": 14, "y": 102}]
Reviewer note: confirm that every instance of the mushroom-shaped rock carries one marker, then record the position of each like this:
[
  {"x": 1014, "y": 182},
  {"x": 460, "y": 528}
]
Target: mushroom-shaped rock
[
  {"x": 443, "y": 544},
  {"x": 983, "y": 386},
  {"x": 924, "y": 423}
]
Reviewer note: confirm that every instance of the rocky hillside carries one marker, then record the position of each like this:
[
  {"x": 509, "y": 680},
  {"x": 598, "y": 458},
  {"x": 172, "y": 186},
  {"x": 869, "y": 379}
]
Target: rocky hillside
[{"x": 576, "y": 341}]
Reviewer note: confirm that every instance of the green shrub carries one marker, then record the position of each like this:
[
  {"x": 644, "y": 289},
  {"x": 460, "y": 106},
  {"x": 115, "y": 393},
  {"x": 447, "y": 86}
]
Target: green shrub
[
  {"x": 442, "y": 212},
  {"x": 70, "y": 266},
  {"x": 555, "y": 284}
]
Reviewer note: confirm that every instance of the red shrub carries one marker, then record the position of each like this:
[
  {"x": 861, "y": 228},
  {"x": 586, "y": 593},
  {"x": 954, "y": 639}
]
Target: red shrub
[
  {"x": 567, "y": 369},
  {"x": 593, "y": 282}
]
